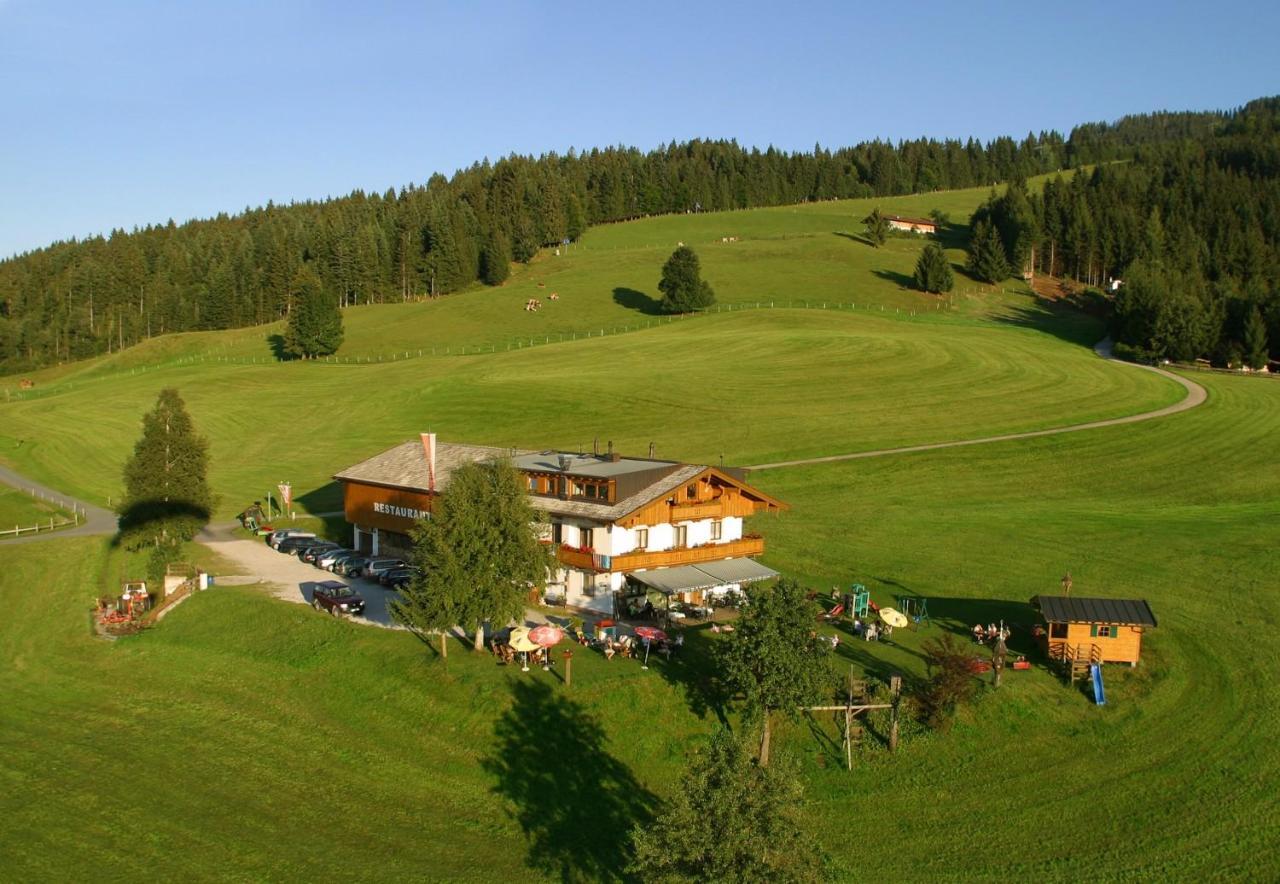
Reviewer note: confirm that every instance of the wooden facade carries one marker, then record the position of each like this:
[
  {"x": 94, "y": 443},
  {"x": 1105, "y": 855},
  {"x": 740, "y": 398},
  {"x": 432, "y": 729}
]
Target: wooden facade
[
  {"x": 1099, "y": 642},
  {"x": 387, "y": 509},
  {"x": 709, "y": 495},
  {"x": 634, "y": 561}
]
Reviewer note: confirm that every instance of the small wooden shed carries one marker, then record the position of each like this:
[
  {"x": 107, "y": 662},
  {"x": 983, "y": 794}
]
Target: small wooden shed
[{"x": 1094, "y": 630}]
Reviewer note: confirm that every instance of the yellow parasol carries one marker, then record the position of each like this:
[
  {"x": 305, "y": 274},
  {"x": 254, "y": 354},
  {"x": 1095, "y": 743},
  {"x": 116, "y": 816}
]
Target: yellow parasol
[
  {"x": 520, "y": 640},
  {"x": 893, "y": 617}
]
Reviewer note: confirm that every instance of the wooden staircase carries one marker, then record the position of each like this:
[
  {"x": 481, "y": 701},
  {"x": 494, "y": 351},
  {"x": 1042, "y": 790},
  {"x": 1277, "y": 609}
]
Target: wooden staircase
[{"x": 1078, "y": 658}]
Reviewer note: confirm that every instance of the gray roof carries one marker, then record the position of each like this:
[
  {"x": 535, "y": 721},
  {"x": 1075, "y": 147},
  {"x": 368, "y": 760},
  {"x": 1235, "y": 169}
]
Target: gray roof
[
  {"x": 591, "y": 466},
  {"x": 1070, "y": 609},
  {"x": 405, "y": 466},
  {"x": 687, "y": 578},
  {"x": 611, "y": 512}
]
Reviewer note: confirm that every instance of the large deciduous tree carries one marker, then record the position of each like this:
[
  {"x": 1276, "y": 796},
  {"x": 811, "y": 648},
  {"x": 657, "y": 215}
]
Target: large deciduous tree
[
  {"x": 682, "y": 286},
  {"x": 774, "y": 657},
  {"x": 876, "y": 226},
  {"x": 167, "y": 497},
  {"x": 315, "y": 322},
  {"x": 479, "y": 552},
  {"x": 730, "y": 820},
  {"x": 933, "y": 270}
]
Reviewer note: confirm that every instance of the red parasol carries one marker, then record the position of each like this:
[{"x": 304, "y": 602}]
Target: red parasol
[
  {"x": 650, "y": 634},
  {"x": 546, "y": 635}
]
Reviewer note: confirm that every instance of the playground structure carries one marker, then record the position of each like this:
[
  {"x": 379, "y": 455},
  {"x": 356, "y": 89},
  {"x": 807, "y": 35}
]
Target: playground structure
[{"x": 857, "y": 702}]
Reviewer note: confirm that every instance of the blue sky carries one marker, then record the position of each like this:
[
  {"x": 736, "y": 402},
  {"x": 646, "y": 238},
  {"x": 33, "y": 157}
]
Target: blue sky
[{"x": 121, "y": 114}]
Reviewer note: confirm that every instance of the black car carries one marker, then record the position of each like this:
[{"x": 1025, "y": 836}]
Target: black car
[
  {"x": 294, "y": 545},
  {"x": 351, "y": 567},
  {"x": 309, "y": 553},
  {"x": 336, "y": 598},
  {"x": 398, "y": 576}
]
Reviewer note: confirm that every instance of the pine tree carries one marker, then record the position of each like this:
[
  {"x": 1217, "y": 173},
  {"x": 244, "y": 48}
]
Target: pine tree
[
  {"x": 987, "y": 260},
  {"x": 682, "y": 286},
  {"x": 315, "y": 322},
  {"x": 479, "y": 552},
  {"x": 877, "y": 228},
  {"x": 1255, "y": 340},
  {"x": 495, "y": 259},
  {"x": 933, "y": 270},
  {"x": 167, "y": 497},
  {"x": 730, "y": 820}
]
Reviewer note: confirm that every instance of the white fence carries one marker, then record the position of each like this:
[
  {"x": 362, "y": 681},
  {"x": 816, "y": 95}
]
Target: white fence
[{"x": 54, "y": 523}]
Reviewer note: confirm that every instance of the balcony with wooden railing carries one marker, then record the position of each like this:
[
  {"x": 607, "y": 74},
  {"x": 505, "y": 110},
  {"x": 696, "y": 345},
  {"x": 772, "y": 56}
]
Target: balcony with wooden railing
[
  {"x": 570, "y": 557},
  {"x": 690, "y": 512}
]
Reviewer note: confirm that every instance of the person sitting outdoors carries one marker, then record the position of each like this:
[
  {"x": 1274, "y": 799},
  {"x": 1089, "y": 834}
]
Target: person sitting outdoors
[
  {"x": 835, "y": 642},
  {"x": 979, "y": 634},
  {"x": 871, "y": 633},
  {"x": 858, "y": 626},
  {"x": 647, "y": 611}
]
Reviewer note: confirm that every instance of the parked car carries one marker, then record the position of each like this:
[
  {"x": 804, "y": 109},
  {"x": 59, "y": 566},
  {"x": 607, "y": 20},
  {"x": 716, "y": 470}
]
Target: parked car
[
  {"x": 296, "y": 544},
  {"x": 336, "y": 598},
  {"x": 326, "y": 559},
  {"x": 337, "y": 561},
  {"x": 377, "y": 567},
  {"x": 398, "y": 577},
  {"x": 280, "y": 536},
  {"x": 308, "y": 554},
  {"x": 352, "y": 567}
]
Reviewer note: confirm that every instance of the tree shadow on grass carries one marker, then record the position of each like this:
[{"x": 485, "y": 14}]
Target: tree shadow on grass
[
  {"x": 898, "y": 279},
  {"x": 853, "y": 236},
  {"x": 693, "y": 669},
  {"x": 276, "y": 343},
  {"x": 958, "y": 617},
  {"x": 637, "y": 300},
  {"x": 1073, "y": 319},
  {"x": 575, "y": 802}
]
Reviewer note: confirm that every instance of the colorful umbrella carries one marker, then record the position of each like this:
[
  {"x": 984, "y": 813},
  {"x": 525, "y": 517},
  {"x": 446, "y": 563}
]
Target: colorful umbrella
[
  {"x": 650, "y": 634},
  {"x": 546, "y": 635},
  {"x": 893, "y": 617},
  {"x": 521, "y": 642}
]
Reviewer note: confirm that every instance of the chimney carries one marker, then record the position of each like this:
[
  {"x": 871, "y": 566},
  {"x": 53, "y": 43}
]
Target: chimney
[
  {"x": 611, "y": 446},
  {"x": 595, "y": 446},
  {"x": 565, "y": 460},
  {"x": 429, "y": 448},
  {"x": 653, "y": 448}
]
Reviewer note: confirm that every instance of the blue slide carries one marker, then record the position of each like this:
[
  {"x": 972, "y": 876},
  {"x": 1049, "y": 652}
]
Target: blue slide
[{"x": 1099, "y": 695}]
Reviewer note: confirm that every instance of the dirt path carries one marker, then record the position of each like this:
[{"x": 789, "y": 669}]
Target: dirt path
[{"x": 1196, "y": 395}]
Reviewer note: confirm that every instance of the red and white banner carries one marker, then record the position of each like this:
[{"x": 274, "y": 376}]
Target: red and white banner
[
  {"x": 286, "y": 494},
  {"x": 429, "y": 446}
]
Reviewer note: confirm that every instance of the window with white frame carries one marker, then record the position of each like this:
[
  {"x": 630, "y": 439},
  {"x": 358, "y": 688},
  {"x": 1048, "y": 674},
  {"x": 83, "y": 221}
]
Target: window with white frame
[
  {"x": 642, "y": 538},
  {"x": 682, "y": 536},
  {"x": 717, "y": 529}
]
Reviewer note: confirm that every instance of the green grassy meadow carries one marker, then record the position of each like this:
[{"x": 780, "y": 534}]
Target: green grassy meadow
[
  {"x": 233, "y": 741},
  {"x": 17, "y": 508}
]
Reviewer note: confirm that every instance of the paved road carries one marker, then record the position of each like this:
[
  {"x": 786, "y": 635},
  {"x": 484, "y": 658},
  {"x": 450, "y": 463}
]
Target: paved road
[
  {"x": 94, "y": 520},
  {"x": 1196, "y": 395}
]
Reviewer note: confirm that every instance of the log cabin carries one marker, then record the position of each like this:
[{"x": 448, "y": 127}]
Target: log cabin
[{"x": 1091, "y": 630}]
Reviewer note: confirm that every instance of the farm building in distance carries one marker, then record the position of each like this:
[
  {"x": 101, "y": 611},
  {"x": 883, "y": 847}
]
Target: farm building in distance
[
  {"x": 1094, "y": 630},
  {"x": 912, "y": 225},
  {"x": 616, "y": 522}
]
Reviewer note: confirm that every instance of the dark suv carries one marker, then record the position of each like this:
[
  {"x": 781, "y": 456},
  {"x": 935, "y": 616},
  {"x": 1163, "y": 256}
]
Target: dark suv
[{"x": 336, "y": 598}]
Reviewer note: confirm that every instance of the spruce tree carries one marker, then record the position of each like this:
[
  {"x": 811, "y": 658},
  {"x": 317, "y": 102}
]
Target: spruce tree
[
  {"x": 495, "y": 259},
  {"x": 933, "y": 270},
  {"x": 315, "y": 322},
  {"x": 877, "y": 228},
  {"x": 167, "y": 497},
  {"x": 682, "y": 286},
  {"x": 479, "y": 552},
  {"x": 1255, "y": 340},
  {"x": 987, "y": 260}
]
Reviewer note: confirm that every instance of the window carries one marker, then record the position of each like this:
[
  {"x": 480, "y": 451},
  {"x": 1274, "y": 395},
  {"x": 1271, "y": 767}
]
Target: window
[
  {"x": 682, "y": 536},
  {"x": 1103, "y": 631},
  {"x": 531, "y": 482},
  {"x": 587, "y": 537},
  {"x": 717, "y": 529},
  {"x": 691, "y": 492},
  {"x": 557, "y": 532},
  {"x": 1057, "y": 630},
  {"x": 642, "y": 538}
]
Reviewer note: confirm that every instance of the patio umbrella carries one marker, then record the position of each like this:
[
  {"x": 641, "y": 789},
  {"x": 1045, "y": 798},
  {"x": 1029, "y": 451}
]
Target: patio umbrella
[
  {"x": 649, "y": 634},
  {"x": 893, "y": 617},
  {"x": 545, "y": 636},
  {"x": 521, "y": 642}
]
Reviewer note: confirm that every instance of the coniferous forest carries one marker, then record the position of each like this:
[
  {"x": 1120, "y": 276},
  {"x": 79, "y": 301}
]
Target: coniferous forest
[{"x": 1193, "y": 197}]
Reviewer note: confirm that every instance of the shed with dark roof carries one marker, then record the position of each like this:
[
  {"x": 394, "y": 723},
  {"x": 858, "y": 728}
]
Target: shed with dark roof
[{"x": 1094, "y": 629}]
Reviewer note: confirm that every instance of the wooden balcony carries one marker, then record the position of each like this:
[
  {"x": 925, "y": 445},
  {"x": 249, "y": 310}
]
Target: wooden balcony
[
  {"x": 635, "y": 561},
  {"x": 682, "y": 512}
]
